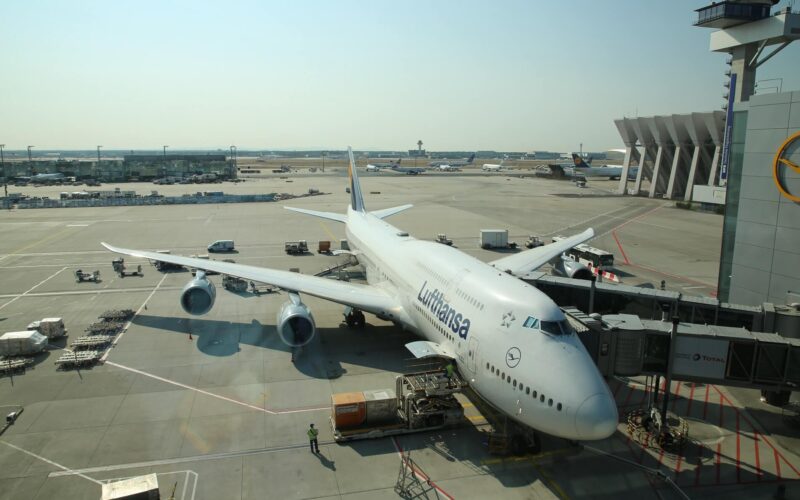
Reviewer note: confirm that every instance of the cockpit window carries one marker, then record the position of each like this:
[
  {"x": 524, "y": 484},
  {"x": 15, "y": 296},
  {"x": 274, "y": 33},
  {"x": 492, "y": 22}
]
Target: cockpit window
[
  {"x": 551, "y": 327},
  {"x": 531, "y": 322},
  {"x": 557, "y": 327}
]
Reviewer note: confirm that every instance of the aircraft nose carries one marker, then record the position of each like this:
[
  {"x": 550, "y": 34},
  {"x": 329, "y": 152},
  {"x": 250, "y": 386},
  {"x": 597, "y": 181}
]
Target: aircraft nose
[{"x": 596, "y": 417}]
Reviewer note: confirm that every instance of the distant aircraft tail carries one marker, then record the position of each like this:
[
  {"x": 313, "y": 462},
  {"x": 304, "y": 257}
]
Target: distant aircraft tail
[
  {"x": 398, "y": 161},
  {"x": 470, "y": 159},
  {"x": 578, "y": 161},
  {"x": 356, "y": 199}
]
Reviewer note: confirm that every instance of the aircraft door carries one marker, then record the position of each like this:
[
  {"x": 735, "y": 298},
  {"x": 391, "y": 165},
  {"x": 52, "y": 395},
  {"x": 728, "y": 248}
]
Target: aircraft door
[{"x": 472, "y": 354}]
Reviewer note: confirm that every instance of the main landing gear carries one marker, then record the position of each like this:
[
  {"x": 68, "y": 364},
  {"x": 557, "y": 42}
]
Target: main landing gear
[{"x": 354, "y": 318}]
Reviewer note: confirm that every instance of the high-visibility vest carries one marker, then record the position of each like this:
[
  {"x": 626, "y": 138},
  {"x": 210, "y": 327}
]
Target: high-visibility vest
[{"x": 312, "y": 433}]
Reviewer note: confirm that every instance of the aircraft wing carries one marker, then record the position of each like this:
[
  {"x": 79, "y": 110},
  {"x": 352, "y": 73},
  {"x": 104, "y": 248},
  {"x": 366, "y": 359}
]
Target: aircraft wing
[
  {"x": 365, "y": 297},
  {"x": 524, "y": 262}
]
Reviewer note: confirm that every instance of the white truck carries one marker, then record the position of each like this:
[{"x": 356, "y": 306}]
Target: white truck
[
  {"x": 495, "y": 238},
  {"x": 22, "y": 343}
]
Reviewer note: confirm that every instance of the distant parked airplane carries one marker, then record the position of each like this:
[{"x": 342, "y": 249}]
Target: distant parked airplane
[
  {"x": 493, "y": 167},
  {"x": 580, "y": 167},
  {"x": 453, "y": 163},
  {"x": 47, "y": 178},
  {"x": 377, "y": 167}
]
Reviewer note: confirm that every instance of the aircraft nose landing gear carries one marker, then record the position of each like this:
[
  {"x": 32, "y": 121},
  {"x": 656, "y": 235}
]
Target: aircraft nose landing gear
[{"x": 354, "y": 318}]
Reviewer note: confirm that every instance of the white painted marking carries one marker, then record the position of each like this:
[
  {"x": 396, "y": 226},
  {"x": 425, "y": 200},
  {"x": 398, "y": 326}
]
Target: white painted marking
[
  {"x": 34, "y": 287},
  {"x": 211, "y": 394},
  {"x": 128, "y": 324},
  {"x": 180, "y": 460},
  {"x": 86, "y": 292},
  {"x": 77, "y": 225},
  {"x": 54, "y": 464}
]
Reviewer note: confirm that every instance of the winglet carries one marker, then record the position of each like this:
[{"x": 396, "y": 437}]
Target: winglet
[{"x": 356, "y": 199}]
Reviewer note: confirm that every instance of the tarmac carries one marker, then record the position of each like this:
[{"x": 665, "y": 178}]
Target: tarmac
[{"x": 216, "y": 408}]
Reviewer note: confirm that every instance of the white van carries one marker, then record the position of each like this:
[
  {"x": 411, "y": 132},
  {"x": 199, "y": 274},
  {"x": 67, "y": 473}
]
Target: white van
[{"x": 221, "y": 246}]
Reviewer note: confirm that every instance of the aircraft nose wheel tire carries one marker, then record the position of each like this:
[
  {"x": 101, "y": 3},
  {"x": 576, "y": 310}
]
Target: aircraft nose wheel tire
[{"x": 355, "y": 319}]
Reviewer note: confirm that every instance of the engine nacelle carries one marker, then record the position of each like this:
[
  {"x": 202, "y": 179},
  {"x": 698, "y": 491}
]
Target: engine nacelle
[
  {"x": 571, "y": 269},
  {"x": 295, "y": 323},
  {"x": 197, "y": 297}
]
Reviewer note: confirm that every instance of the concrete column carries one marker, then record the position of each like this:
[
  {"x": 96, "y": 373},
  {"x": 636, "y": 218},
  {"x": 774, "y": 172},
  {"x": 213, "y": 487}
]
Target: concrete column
[
  {"x": 626, "y": 166},
  {"x": 687, "y": 194},
  {"x": 712, "y": 176},
  {"x": 656, "y": 170},
  {"x": 637, "y": 184},
  {"x": 673, "y": 173}
]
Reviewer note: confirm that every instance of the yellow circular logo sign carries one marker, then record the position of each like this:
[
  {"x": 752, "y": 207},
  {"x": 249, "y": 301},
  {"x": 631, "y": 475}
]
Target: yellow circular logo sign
[{"x": 782, "y": 160}]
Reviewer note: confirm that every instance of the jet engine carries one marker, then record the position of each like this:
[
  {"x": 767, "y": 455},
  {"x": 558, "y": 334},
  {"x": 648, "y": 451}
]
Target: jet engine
[
  {"x": 198, "y": 295},
  {"x": 571, "y": 269},
  {"x": 295, "y": 323}
]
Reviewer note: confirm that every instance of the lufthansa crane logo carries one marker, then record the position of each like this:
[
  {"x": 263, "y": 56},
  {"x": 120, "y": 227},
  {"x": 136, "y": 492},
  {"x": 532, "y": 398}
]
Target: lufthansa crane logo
[
  {"x": 513, "y": 356},
  {"x": 786, "y": 150}
]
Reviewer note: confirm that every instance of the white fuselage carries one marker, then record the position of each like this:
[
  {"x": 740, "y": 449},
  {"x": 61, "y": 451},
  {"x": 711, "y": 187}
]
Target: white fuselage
[{"x": 493, "y": 322}]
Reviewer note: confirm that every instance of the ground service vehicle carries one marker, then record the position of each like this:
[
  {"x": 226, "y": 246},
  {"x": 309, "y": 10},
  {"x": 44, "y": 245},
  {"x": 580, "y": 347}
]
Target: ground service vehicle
[
  {"x": 221, "y": 246},
  {"x": 296, "y": 247},
  {"x": 443, "y": 239}
]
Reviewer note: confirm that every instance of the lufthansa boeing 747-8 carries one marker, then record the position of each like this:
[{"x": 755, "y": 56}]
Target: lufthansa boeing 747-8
[{"x": 509, "y": 340}]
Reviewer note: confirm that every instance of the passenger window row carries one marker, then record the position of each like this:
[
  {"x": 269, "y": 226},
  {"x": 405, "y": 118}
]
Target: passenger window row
[
  {"x": 528, "y": 391},
  {"x": 444, "y": 331},
  {"x": 472, "y": 300}
]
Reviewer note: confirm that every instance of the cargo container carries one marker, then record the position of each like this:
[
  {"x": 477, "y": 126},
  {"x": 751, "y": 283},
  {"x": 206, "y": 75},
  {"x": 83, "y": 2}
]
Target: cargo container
[
  {"x": 494, "y": 238},
  {"x": 324, "y": 247},
  {"x": 49, "y": 327},
  {"x": 349, "y": 409},
  {"x": 381, "y": 406},
  {"x": 22, "y": 343}
]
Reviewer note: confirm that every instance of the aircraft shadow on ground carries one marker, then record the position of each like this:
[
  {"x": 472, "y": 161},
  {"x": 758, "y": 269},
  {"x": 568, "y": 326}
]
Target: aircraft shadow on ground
[{"x": 326, "y": 356}]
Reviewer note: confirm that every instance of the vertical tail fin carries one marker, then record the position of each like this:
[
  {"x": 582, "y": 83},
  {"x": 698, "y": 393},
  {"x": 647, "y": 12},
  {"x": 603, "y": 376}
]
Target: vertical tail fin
[
  {"x": 471, "y": 158},
  {"x": 578, "y": 161},
  {"x": 356, "y": 199}
]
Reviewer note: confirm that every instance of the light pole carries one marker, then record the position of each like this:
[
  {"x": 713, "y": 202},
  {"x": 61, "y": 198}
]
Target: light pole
[
  {"x": 30, "y": 161},
  {"x": 165, "y": 161},
  {"x": 5, "y": 174},
  {"x": 234, "y": 155},
  {"x": 323, "y": 161},
  {"x": 96, "y": 167}
]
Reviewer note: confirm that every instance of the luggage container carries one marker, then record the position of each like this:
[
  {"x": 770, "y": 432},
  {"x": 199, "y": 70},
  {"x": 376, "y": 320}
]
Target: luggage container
[
  {"x": 49, "y": 327},
  {"x": 349, "y": 409},
  {"x": 22, "y": 343},
  {"x": 381, "y": 406},
  {"x": 324, "y": 247}
]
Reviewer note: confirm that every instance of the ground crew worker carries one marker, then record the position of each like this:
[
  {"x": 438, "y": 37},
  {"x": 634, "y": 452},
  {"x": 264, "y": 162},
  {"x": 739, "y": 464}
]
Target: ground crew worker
[
  {"x": 312, "y": 439},
  {"x": 450, "y": 371}
]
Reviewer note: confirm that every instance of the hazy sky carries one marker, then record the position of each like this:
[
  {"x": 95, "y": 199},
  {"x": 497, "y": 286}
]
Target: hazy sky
[{"x": 504, "y": 75}]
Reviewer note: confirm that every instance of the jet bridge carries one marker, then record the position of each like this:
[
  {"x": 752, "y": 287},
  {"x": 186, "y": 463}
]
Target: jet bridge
[{"x": 626, "y": 345}]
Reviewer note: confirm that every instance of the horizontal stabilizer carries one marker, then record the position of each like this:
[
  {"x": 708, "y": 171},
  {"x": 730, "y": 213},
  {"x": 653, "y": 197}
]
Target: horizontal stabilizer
[
  {"x": 387, "y": 212},
  {"x": 323, "y": 215},
  {"x": 424, "y": 349}
]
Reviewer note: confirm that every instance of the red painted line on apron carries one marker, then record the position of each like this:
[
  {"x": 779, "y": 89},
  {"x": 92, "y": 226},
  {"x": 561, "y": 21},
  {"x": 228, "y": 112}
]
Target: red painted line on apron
[
  {"x": 675, "y": 397},
  {"x": 705, "y": 404},
  {"x": 691, "y": 397},
  {"x": 758, "y": 457},
  {"x": 619, "y": 245},
  {"x": 738, "y": 451}
]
